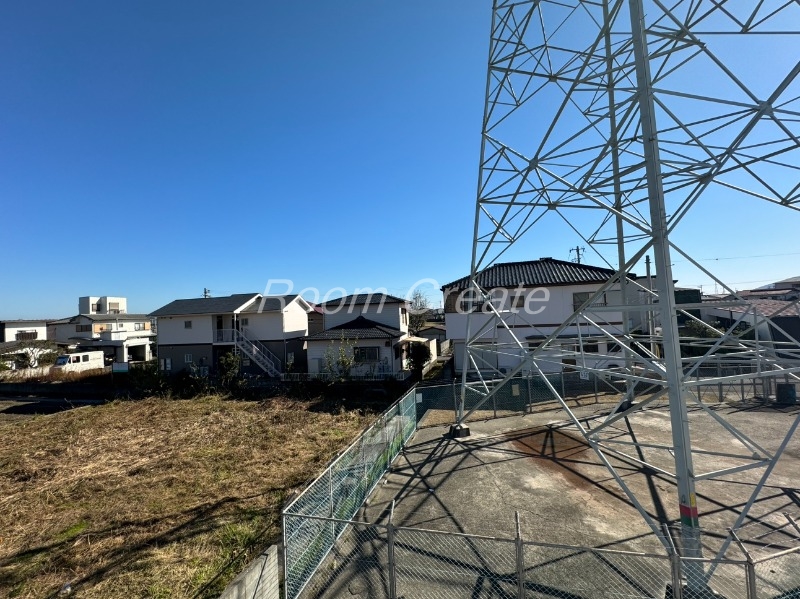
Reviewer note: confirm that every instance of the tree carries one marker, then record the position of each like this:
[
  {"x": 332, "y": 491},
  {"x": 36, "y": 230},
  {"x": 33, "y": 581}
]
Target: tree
[
  {"x": 420, "y": 307},
  {"x": 418, "y": 355},
  {"x": 229, "y": 365},
  {"x": 33, "y": 353},
  {"x": 340, "y": 363}
]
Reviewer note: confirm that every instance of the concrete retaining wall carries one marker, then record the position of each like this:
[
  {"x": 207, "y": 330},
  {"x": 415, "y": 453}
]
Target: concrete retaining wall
[{"x": 260, "y": 580}]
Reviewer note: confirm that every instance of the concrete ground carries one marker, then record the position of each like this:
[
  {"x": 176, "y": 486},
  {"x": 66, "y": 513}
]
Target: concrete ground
[{"x": 538, "y": 466}]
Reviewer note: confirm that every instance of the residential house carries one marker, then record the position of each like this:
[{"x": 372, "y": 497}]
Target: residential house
[
  {"x": 102, "y": 305},
  {"x": 535, "y": 297},
  {"x": 268, "y": 331},
  {"x": 23, "y": 330},
  {"x": 783, "y": 329},
  {"x": 372, "y": 328},
  {"x": 434, "y": 332},
  {"x": 122, "y": 337}
]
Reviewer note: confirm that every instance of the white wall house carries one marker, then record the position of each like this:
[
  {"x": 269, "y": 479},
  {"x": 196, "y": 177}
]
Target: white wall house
[
  {"x": 122, "y": 337},
  {"x": 105, "y": 304},
  {"x": 23, "y": 330},
  {"x": 370, "y": 327},
  {"x": 268, "y": 331},
  {"x": 535, "y": 298}
]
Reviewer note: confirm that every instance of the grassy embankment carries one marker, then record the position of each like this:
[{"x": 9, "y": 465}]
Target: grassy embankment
[{"x": 153, "y": 498}]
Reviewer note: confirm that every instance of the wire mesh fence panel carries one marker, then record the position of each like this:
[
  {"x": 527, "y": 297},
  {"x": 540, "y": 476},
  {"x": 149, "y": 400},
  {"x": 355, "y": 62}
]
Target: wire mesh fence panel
[
  {"x": 575, "y": 573},
  {"x": 727, "y": 578},
  {"x": 440, "y": 565},
  {"x": 307, "y": 542},
  {"x": 341, "y": 490},
  {"x": 778, "y": 576},
  {"x": 356, "y": 565}
]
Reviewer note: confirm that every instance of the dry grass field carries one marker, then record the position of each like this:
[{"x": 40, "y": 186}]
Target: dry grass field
[{"x": 153, "y": 498}]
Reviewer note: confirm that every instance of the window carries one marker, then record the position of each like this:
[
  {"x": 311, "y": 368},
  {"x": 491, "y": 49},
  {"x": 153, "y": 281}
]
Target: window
[
  {"x": 578, "y": 299},
  {"x": 591, "y": 347},
  {"x": 138, "y": 326},
  {"x": 614, "y": 348},
  {"x": 121, "y": 325},
  {"x": 84, "y": 358},
  {"x": 95, "y": 307},
  {"x": 187, "y": 324},
  {"x": 83, "y": 328},
  {"x": 113, "y": 307},
  {"x": 27, "y": 335},
  {"x": 366, "y": 354},
  {"x": 404, "y": 315},
  {"x": 187, "y": 358},
  {"x": 167, "y": 363},
  {"x": 467, "y": 301},
  {"x": 75, "y": 359},
  {"x": 244, "y": 321}
]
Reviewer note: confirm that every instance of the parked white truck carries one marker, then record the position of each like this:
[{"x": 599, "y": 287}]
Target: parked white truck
[{"x": 85, "y": 360}]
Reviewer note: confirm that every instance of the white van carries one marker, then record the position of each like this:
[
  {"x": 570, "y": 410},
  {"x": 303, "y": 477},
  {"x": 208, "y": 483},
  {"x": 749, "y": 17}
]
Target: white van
[{"x": 85, "y": 360}]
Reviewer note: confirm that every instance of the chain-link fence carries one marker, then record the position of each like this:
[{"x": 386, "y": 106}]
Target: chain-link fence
[
  {"x": 328, "y": 554},
  {"x": 384, "y": 561},
  {"x": 340, "y": 491},
  {"x": 438, "y": 404}
]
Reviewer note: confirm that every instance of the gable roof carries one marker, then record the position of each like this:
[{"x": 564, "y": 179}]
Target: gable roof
[
  {"x": 363, "y": 299},
  {"x": 359, "y": 328},
  {"x": 206, "y": 305},
  {"x": 536, "y": 273},
  {"x": 271, "y": 303}
]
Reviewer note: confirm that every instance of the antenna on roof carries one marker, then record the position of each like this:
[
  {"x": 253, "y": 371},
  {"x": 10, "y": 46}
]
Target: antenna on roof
[
  {"x": 578, "y": 251},
  {"x": 206, "y": 292}
]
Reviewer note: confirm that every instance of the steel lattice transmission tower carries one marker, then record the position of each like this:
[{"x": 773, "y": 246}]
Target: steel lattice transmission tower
[{"x": 615, "y": 119}]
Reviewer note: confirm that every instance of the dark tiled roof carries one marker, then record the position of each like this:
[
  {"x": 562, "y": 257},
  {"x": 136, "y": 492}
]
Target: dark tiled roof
[
  {"x": 271, "y": 303},
  {"x": 205, "y": 305},
  {"x": 363, "y": 298},
  {"x": 536, "y": 273},
  {"x": 360, "y": 328}
]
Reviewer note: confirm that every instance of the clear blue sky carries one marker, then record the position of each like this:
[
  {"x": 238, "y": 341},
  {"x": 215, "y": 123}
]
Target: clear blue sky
[{"x": 151, "y": 149}]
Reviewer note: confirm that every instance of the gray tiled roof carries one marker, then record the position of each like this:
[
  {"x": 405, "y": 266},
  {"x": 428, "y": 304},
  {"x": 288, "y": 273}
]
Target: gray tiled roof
[
  {"x": 271, "y": 303},
  {"x": 536, "y": 273},
  {"x": 364, "y": 298},
  {"x": 360, "y": 328},
  {"x": 205, "y": 305}
]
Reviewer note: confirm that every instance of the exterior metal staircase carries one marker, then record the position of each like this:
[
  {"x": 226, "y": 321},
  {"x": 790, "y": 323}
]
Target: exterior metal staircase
[{"x": 257, "y": 351}]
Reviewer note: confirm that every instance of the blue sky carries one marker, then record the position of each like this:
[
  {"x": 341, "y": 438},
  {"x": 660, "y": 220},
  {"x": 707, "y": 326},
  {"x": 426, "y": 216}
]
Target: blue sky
[{"x": 151, "y": 149}]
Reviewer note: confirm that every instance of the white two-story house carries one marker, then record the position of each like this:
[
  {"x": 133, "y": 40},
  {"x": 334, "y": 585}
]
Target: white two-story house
[
  {"x": 534, "y": 298},
  {"x": 268, "y": 331},
  {"x": 371, "y": 328},
  {"x": 103, "y": 323}
]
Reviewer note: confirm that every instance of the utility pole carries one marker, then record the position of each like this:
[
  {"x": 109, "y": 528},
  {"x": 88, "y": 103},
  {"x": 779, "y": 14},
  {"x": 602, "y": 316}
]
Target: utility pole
[{"x": 578, "y": 251}]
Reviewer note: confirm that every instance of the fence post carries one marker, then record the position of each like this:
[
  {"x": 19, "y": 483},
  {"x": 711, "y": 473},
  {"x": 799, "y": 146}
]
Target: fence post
[
  {"x": 675, "y": 567},
  {"x": 455, "y": 401},
  {"x": 520, "y": 560},
  {"x": 331, "y": 513},
  {"x": 749, "y": 568},
  {"x": 390, "y": 551}
]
